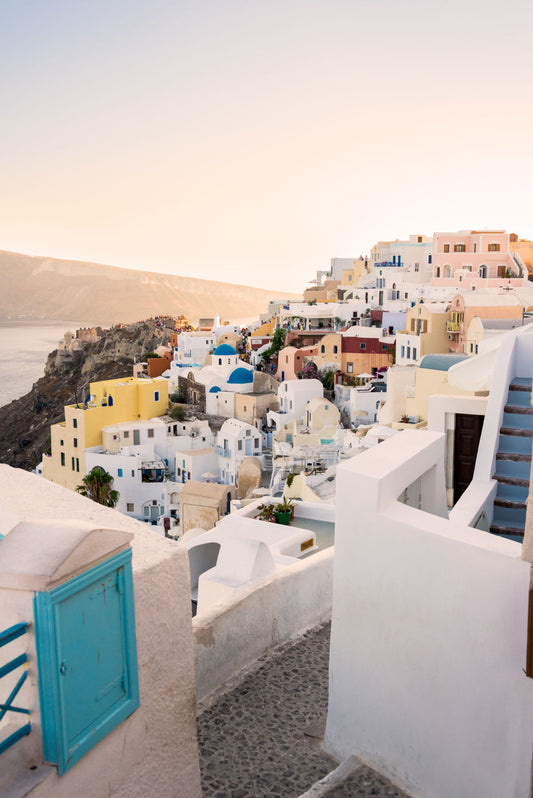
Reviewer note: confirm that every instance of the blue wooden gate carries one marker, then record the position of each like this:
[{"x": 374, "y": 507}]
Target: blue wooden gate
[{"x": 87, "y": 656}]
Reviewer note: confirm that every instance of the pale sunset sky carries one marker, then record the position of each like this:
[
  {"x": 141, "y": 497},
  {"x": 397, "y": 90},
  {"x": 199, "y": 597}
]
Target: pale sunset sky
[{"x": 253, "y": 141}]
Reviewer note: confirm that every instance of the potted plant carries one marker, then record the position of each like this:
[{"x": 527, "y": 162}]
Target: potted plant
[
  {"x": 405, "y": 419},
  {"x": 283, "y": 511},
  {"x": 266, "y": 513}
]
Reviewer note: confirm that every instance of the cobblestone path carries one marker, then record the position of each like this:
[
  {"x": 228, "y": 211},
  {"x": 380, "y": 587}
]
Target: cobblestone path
[{"x": 262, "y": 738}]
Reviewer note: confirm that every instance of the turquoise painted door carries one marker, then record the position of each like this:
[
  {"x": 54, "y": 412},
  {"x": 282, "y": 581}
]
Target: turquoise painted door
[
  {"x": 92, "y": 667},
  {"x": 87, "y": 659}
]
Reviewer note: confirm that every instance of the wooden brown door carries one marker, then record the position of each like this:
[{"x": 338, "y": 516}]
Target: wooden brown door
[{"x": 466, "y": 442}]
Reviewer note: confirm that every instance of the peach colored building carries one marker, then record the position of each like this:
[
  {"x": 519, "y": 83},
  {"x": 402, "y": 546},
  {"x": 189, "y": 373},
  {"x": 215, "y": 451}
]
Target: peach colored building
[
  {"x": 291, "y": 361},
  {"x": 365, "y": 350},
  {"x": 327, "y": 292},
  {"x": 464, "y": 307},
  {"x": 524, "y": 248},
  {"x": 329, "y": 352},
  {"x": 476, "y": 259}
]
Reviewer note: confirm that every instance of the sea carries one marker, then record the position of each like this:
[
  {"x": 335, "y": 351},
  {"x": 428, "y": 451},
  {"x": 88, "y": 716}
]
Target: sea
[{"x": 24, "y": 347}]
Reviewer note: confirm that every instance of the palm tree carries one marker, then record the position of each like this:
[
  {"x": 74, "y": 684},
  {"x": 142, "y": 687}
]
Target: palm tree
[{"x": 98, "y": 486}]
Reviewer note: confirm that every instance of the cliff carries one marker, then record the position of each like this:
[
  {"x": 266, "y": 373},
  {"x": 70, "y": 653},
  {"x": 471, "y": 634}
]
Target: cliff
[
  {"x": 47, "y": 288},
  {"x": 25, "y": 422}
]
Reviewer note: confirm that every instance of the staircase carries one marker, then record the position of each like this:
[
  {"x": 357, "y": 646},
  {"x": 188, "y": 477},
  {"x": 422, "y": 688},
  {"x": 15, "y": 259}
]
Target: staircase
[{"x": 513, "y": 462}]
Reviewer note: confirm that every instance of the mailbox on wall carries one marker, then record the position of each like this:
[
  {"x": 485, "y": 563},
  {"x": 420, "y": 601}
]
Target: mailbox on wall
[{"x": 81, "y": 580}]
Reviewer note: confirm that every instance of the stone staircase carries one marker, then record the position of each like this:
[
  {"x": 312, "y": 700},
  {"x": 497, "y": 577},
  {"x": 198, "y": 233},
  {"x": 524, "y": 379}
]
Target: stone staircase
[{"x": 513, "y": 462}]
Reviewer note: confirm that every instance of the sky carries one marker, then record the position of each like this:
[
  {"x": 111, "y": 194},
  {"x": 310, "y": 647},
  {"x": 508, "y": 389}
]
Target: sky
[{"x": 253, "y": 141}]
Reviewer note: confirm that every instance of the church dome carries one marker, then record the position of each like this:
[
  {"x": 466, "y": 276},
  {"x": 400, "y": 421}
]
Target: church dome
[
  {"x": 241, "y": 376},
  {"x": 225, "y": 349}
]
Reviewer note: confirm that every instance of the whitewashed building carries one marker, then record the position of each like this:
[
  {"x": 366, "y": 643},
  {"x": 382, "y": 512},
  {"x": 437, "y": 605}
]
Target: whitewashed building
[
  {"x": 236, "y": 440},
  {"x": 293, "y": 397}
]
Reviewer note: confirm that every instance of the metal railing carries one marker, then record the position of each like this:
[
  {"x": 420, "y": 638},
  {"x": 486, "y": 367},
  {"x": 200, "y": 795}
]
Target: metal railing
[
  {"x": 6, "y": 637},
  {"x": 453, "y": 326},
  {"x": 222, "y": 452}
]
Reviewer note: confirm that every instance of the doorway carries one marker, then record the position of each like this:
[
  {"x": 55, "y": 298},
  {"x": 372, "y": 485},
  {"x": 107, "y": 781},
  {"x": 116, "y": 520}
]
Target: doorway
[{"x": 466, "y": 443}]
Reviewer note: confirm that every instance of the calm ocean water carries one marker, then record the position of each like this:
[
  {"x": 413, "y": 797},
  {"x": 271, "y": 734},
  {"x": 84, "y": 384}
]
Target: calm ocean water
[{"x": 24, "y": 347}]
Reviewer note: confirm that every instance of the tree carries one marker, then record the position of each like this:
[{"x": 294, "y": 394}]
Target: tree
[
  {"x": 178, "y": 413},
  {"x": 277, "y": 342},
  {"x": 98, "y": 486}
]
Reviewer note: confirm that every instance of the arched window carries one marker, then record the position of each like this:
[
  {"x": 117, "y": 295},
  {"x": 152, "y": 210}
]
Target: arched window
[
  {"x": 322, "y": 349},
  {"x": 483, "y": 271},
  {"x": 335, "y": 349}
]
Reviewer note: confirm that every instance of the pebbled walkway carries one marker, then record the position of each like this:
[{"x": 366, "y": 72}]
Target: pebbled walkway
[{"x": 262, "y": 738}]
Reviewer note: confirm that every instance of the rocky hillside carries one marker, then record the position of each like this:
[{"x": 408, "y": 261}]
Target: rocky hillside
[
  {"x": 47, "y": 288},
  {"x": 25, "y": 422}
]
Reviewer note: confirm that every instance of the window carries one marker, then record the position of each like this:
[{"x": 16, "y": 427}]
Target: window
[
  {"x": 349, "y": 368},
  {"x": 403, "y": 351},
  {"x": 75, "y": 443},
  {"x": 414, "y": 353},
  {"x": 146, "y": 511},
  {"x": 130, "y": 508},
  {"x": 494, "y": 247},
  {"x": 446, "y": 248},
  {"x": 483, "y": 272},
  {"x": 256, "y": 443},
  {"x": 476, "y": 349},
  {"x": 471, "y": 348},
  {"x": 62, "y": 458},
  {"x": 363, "y": 346},
  {"x": 74, "y": 422},
  {"x": 73, "y": 464},
  {"x": 156, "y": 396},
  {"x": 188, "y": 476},
  {"x": 430, "y": 258},
  {"x": 475, "y": 247},
  {"x": 322, "y": 349},
  {"x": 239, "y": 445},
  {"x": 178, "y": 471},
  {"x": 384, "y": 347},
  {"x": 335, "y": 349},
  {"x": 77, "y": 464},
  {"x": 126, "y": 433},
  {"x": 459, "y": 248},
  {"x": 150, "y": 433},
  {"x": 408, "y": 352},
  {"x": 61, "y": 443},
  {"x": 119, "y": 472}
]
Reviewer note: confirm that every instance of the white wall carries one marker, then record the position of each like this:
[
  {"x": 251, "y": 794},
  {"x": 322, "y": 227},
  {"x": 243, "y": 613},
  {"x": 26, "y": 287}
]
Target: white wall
[
  {"x": 428, "y": 635},
  {"x": 282, "y": 607},
  {"x": 155, "y": 748}
]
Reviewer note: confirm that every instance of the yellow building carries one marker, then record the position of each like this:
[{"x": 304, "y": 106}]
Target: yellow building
[
  {"x": 111, "y": 402},
  {"x": 329, "y": 354},
  {"x": 432, "y": 378},
  {"x": 426, "y": 332}
]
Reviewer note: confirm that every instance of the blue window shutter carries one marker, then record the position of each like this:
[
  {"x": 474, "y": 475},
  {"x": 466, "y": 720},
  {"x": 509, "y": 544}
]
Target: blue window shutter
[{"x": 87, "y": 658}]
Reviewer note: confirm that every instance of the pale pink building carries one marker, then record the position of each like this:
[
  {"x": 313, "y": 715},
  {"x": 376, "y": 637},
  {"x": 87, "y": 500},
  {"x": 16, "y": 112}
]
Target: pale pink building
[
  {"x": 484, "y": 305},
  {"x": 476, "y": 259},
  {"x": 291, "y": 361}
]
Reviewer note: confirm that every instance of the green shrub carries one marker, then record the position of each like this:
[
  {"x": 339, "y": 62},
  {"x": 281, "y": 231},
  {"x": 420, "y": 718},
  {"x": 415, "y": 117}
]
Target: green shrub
[{"x": 178, "y": 413}]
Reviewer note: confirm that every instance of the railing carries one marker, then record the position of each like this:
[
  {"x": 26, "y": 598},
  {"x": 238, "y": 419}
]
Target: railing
[
  {"x": 453, "y": 326},
  {"x": 7, "y": 637},
  {"x": 220, "y": 450}
]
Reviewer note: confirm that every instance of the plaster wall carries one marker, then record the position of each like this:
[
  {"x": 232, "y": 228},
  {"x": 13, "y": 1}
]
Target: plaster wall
[
  {"x": 155, "y": 748},
  {"x": 281, "y": 607},
  {"x": 428, "y": 638}
]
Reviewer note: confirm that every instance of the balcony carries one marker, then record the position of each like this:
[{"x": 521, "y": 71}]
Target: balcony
[
  {"x": 222, "y": 452},
  {"x": 453, "y": 326}
]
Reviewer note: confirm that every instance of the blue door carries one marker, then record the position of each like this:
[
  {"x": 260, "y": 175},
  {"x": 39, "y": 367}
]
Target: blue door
[{"x": 87, "y": 657}]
